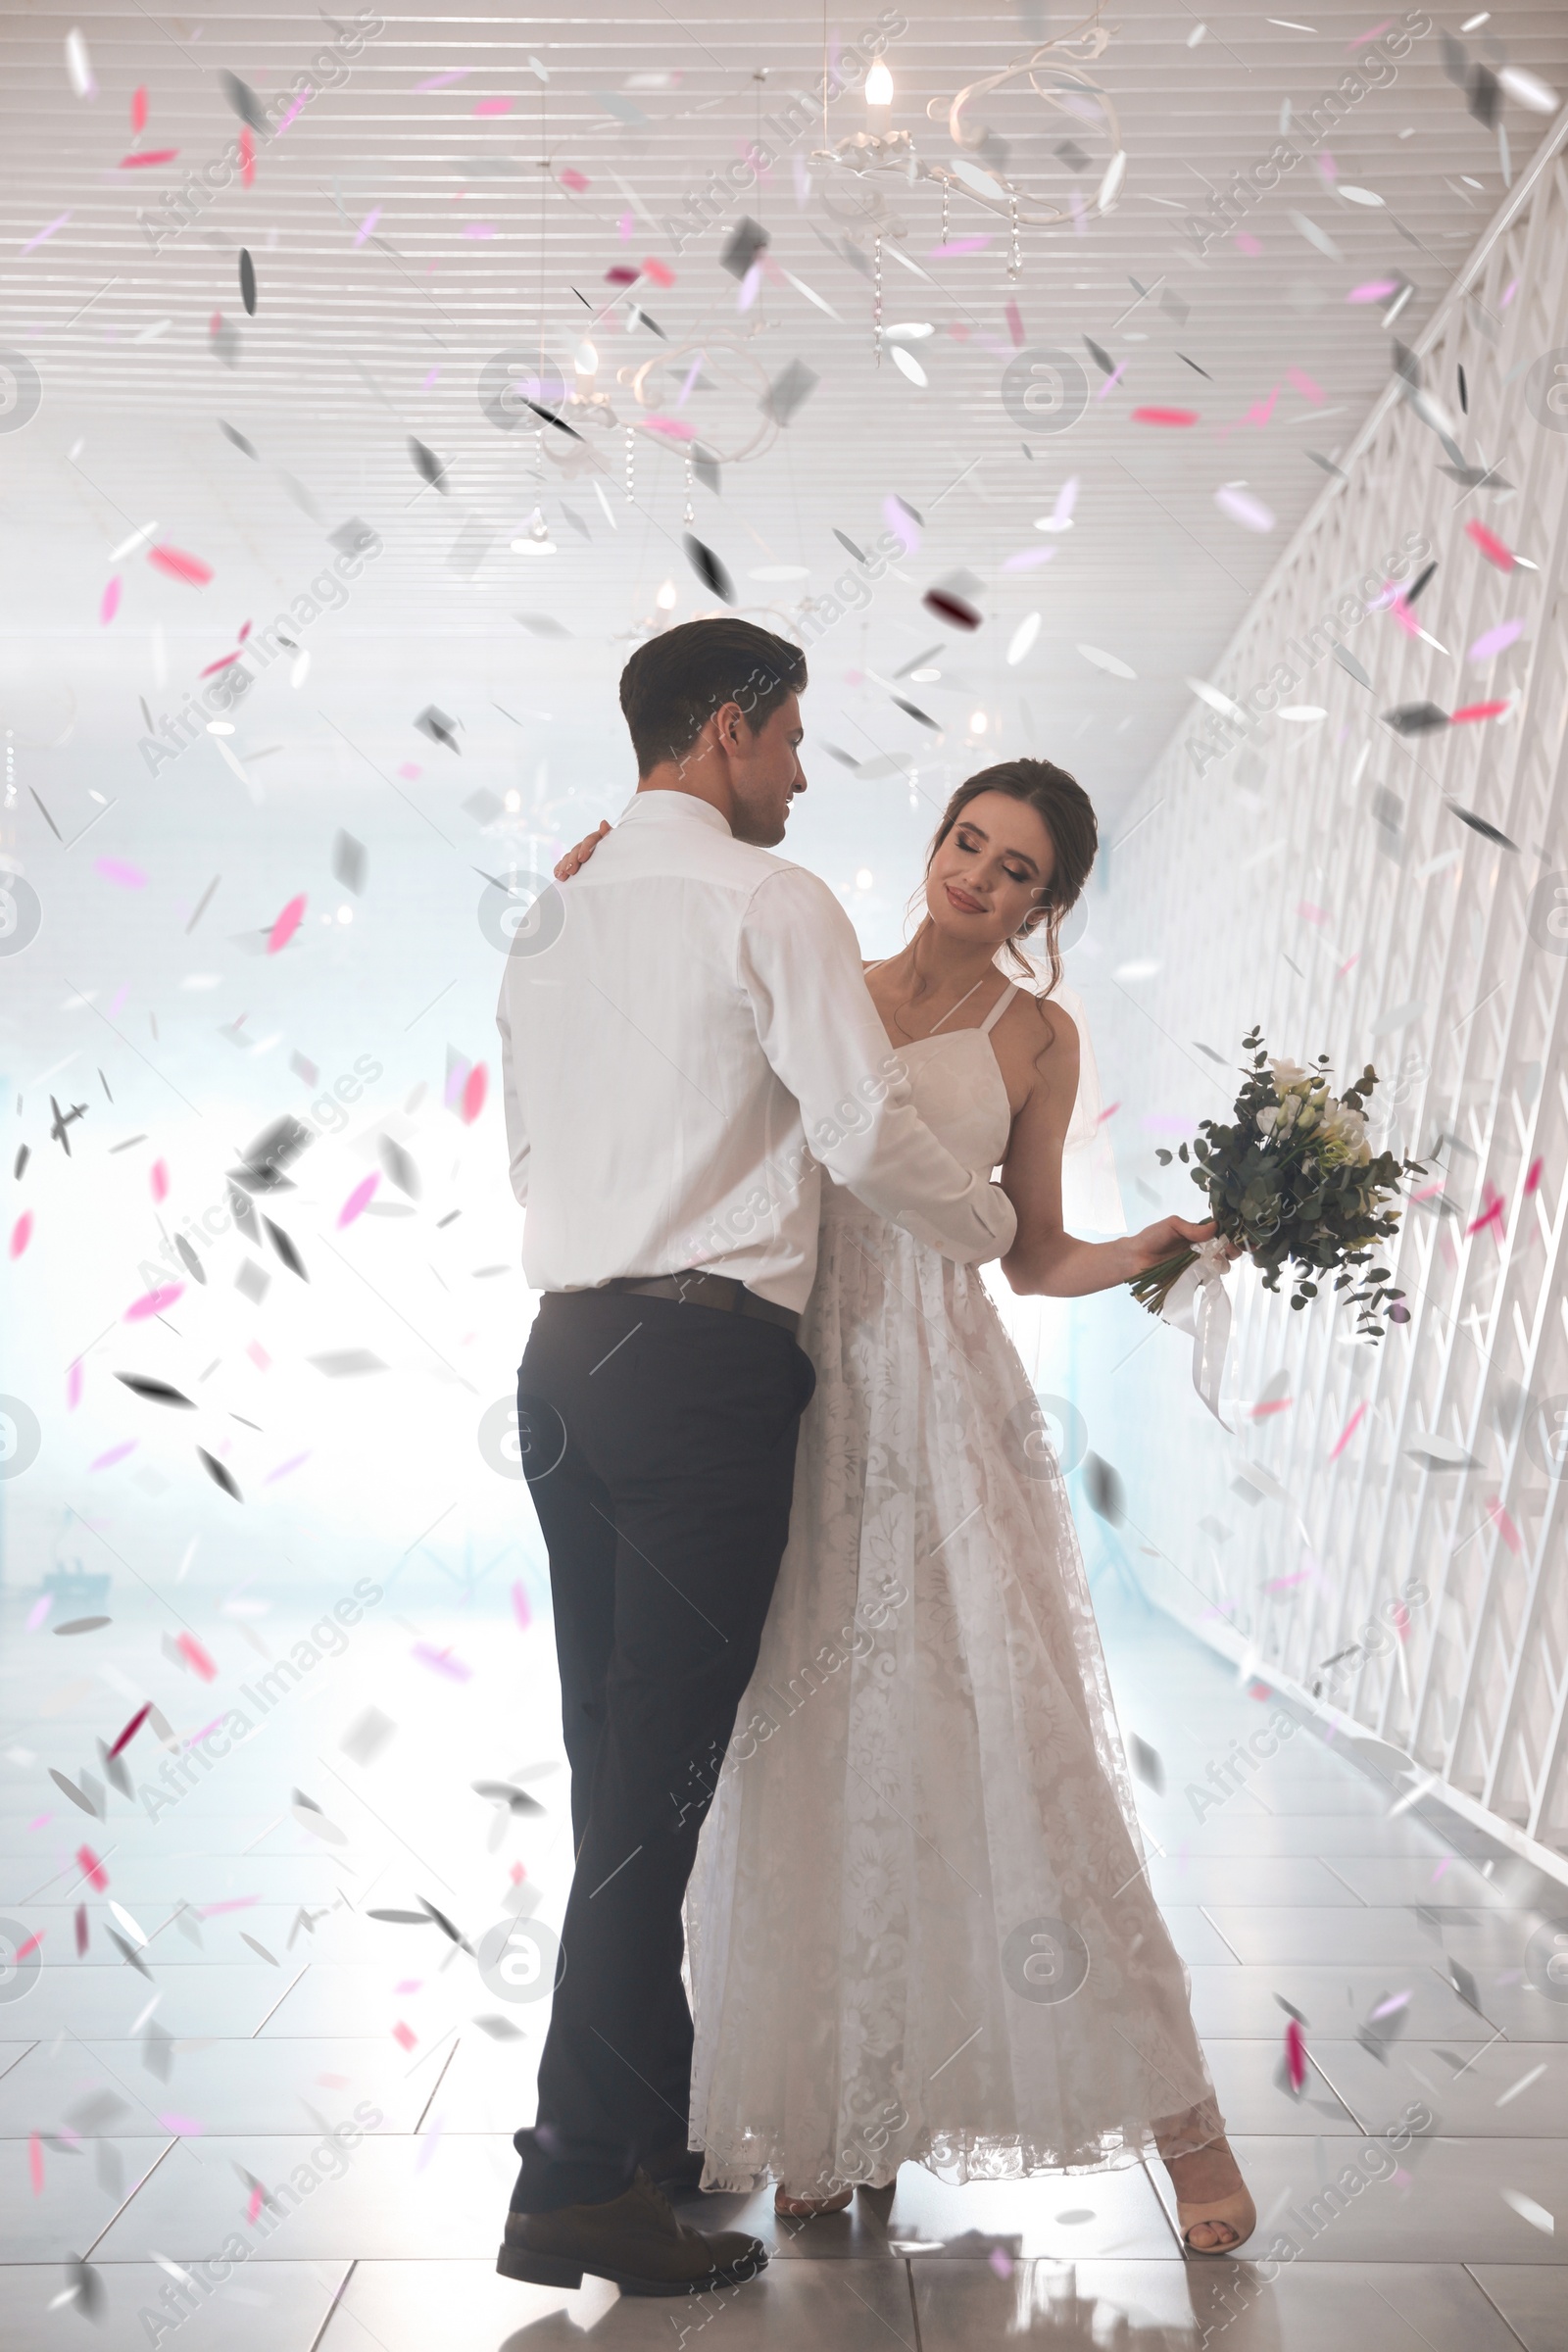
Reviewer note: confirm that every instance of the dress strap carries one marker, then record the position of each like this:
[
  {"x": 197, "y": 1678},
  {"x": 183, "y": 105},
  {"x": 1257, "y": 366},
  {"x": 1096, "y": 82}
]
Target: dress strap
[{"x": 997, "y": 1009}]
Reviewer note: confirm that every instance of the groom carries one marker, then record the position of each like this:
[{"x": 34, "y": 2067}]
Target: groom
[{"x": 685, "y": 1035}]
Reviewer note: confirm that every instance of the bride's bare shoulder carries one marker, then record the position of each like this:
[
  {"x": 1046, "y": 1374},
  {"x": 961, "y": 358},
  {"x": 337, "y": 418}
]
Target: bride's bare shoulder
[{"x": 1047, "y": 1028}]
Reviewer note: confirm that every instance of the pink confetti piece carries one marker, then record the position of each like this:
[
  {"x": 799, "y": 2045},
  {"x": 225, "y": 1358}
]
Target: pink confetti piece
[
  {"x": 183, "y": 2126},
  {"x": 575, "y": 180},
  {"x": 408, "y": 771},
  {"x": 93, "y": 1870},
  {"x": 1109, "y": 1113},
  {"x": 901, "y": 523},
  {"x": 1490, "y": 545},
  {"x": 1376, "y": 289},
  {"x": 22, "y": 1232},
  {"x": 180, "y": 565},
  {"x": 1491, "y": 1214},
  {"x": 1474, "y": 711},
  {"x": 357, "y": 1200},
  {"x": 1363, "y": 38},
  {"x": 153, "y": 1302},
  {"x": 115, "y": 1454},
  {"x": 444, "y": 81},
  {"x": 473, "y": 1093},
  {"x": 154, "y": 155},
  {"x": 1111, "y": 382},
  {"x": 429, "y": 2144},
  {"x": 31, "y": 1945},
  {"x": 1000, "y": 2262},
  {"x": 1262, "y": 409},
  {"x": 287, "y": 923},
  {"x": 1397, "y": 2000},
  {"x": 247, "y": 158},
  {"x": 443, "y": 1662},
  {"x": 492, "y": 105},
  {"x": 109, "y": 603},
  {"x": 409, "y": 1984},
  {"x": 479, "y": 228},
  {"x": 234, "y": 1902},
  {"x": 1247, "y": 243},
  {"x": 258, "y": 1356},
  {"x": 659, "y": 273},
  {"x": 1496, "y": 641},
  {"x": 1309, "y": 913},
  {"x": 1271, "y": 1405},
  {"x": 1015, "y": 319},
  {"x": 1532, "y": 1179},
  {"x": 73, "y": 1386},
  {"x": 1499, "y": 1513},
  {"x": 1507, "y": 294},
  {"x": 115, "y": 870},
  {"x": 955, "y": 246},
  {"x": 1305, "y": 385},
  {"x": 131, "y": 1728},
  {"x": 36, "y": 2162},
  {"x": 404, "y": 2035},
  {"x": 1347, "y": 965},
  {"x": 138, "y": 109},
  {"x": 158, "y": 1178},
  {"x": 44, "y": 234},
  {"x": 671, "y": 428},
  {"x": 1285, "y": 1584},
  {"x": 191, "y": 1650},
  {"x": 1294, "y": 2052},
  {"x": 295, "y": 1461},
  {"x": 258, "y": 2198},
  {"x": 1348, "y": 1432},
  {"x": 519, "y": 1606},
  {"x": 293, "y": 112},
  {"x": 365, "y": 226},
  {"x": 39, "y": 1611},
  {"x": 1164, "y": 417}
]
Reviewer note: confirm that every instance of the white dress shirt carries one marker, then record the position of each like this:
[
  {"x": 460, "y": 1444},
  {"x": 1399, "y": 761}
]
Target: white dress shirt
[{"x": 680, "y": 1052}]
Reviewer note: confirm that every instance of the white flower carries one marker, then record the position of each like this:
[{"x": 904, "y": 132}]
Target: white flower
[
  {"x": 1267, "y": 1119},
  {"x": 1342, "y": 1124},
  {"x": 1289, "y": 1075}
]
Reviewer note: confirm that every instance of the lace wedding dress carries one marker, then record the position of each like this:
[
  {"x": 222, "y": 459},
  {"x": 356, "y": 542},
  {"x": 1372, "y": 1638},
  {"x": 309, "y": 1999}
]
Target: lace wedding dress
[{"x": 920, "y": 1927}]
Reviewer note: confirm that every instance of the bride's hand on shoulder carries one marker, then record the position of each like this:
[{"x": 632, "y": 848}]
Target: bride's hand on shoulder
[
  {"x": 1162, "y": 1241},
  {"x": 572, "y": 861}
]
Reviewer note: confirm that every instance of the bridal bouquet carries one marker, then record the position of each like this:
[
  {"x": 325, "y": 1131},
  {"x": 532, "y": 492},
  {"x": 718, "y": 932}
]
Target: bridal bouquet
[{"x": 1292, "y": 1182}]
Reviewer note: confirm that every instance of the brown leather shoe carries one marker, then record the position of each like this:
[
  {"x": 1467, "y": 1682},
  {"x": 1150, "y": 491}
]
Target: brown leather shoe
[{"x": 634, "y": 2240}]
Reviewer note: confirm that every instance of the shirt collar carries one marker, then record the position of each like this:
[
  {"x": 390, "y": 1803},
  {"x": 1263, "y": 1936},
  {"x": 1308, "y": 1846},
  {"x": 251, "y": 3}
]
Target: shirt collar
[{"x": 671, "y": 808}]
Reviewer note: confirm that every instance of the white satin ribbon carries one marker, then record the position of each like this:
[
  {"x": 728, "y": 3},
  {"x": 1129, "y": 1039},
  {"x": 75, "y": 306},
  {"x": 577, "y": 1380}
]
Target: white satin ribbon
[{"x": 1200, "y": 1302}]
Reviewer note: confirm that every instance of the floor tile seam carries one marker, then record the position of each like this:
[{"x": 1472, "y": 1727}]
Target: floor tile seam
[
  {"x": 254, "y": 2033},
  {"x": 127, "y": 2201},
  {"x": 1203, "y": 1912},
  {"x": 1469, "y": 2270},
  {"x": 331, "y": 2310}
]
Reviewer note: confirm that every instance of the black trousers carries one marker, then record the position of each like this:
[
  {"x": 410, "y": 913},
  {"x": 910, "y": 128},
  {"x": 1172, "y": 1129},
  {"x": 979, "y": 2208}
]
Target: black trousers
[{"x": 659, "y": 1442}]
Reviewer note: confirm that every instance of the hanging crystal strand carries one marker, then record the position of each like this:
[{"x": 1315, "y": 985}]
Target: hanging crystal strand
[
  {"x": 629, "y": 464},
  {"x": 876, "y": 303},
  {"x": 688, "y": 517},
  {"x": 1015, "y": 263},
  {"x": 945, "y": 194}
]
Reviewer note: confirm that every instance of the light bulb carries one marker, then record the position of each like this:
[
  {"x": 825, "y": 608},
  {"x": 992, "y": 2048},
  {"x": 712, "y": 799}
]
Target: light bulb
[
  {"x": 512, "y": 802},
  {"x": 977, "y": 722},
  {"x": 879, "y": 85},
  {"x": 665, "y": 598}
]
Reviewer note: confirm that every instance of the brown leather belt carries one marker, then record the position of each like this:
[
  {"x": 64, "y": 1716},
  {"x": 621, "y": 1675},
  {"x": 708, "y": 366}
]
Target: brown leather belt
[{"x": 721, "y": 1291}]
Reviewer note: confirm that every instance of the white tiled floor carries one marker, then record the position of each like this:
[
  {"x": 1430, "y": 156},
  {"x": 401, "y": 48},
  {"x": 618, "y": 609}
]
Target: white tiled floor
[{"x": 140, "y": 2110}]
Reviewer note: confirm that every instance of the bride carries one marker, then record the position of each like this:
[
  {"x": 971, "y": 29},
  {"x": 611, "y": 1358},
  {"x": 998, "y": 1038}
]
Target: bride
[{"x": 920, "y": 1927}]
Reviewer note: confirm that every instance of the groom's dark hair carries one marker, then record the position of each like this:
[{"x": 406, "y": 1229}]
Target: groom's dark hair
[{"x": 673, "y": 684}]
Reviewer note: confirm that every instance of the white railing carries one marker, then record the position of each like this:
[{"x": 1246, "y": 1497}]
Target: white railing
[{"x": 1316, "y": 877}]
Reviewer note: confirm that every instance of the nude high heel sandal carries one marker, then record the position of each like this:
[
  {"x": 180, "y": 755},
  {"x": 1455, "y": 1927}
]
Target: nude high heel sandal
[
  {"x": 806, "y": 2209},
  {"x": 1236, "y": 2215}
]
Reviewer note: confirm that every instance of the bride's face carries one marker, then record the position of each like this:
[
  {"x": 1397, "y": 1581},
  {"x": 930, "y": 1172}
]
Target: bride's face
[{"x": 990, "y": 871}]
